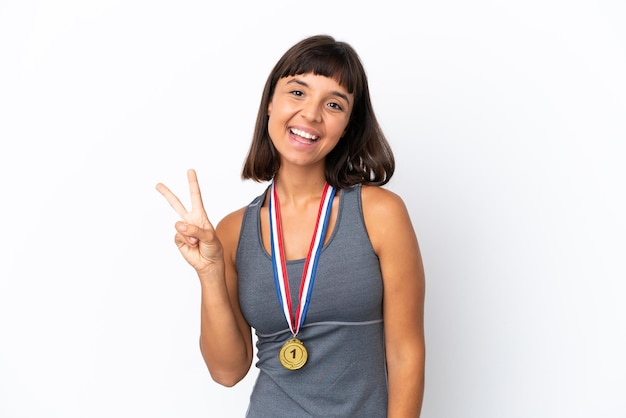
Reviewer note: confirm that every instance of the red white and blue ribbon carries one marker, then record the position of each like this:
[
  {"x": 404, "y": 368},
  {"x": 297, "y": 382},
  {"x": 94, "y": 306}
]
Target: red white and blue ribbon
[{"x": 281, "y": 279}]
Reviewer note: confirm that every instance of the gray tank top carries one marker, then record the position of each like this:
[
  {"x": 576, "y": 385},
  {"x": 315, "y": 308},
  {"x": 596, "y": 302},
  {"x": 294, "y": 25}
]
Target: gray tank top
[{"x": 345, "y": 375}]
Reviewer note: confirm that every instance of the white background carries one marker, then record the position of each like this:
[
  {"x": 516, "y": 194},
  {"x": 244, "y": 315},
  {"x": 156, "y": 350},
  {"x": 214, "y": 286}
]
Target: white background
[{"x": 508, "y": 123}]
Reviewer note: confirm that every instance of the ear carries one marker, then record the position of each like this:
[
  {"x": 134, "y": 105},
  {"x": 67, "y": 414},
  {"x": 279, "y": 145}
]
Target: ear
[{"x": 269, "y": 108}]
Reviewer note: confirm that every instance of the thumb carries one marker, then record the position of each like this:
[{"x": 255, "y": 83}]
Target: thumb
[{"x": 194, "y": 233}]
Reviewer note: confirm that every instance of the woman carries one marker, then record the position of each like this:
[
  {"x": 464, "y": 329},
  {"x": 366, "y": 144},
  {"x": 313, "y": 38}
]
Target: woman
[{"x": 325, "y": 265}]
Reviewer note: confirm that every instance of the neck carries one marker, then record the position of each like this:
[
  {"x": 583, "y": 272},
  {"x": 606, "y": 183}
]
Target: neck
[{"x": 294, "y": 188}]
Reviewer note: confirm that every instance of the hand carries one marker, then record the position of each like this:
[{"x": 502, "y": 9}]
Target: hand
[{"x": 195, "y": 237}]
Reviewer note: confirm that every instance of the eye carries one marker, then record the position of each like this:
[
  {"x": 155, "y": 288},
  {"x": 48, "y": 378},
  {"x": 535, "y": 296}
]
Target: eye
[
  {"x": 335, "y": 106},
  {"x": 296, "y": 93}
]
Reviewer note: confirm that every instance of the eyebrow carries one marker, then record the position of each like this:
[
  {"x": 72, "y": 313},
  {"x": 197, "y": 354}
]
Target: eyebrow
[{"x": 334, "y": 93}]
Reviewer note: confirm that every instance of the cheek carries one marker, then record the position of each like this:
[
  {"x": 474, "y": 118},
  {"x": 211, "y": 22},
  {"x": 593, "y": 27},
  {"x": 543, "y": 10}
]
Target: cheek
[
  {"x": 273, "y": 127},
  {"x": 343, "y": 128}
]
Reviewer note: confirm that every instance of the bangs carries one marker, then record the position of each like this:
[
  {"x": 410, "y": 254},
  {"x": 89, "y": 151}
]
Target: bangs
[{"x": 332, "y": 61}]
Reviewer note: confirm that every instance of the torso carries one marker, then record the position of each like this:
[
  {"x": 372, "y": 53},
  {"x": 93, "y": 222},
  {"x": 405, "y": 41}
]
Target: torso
[{"x": 343, "y": 329}]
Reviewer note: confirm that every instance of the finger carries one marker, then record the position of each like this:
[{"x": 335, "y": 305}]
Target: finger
[
  {"x": 195, "y": 232},
  {"x": 172, "y": 199},
  {"x": 182, "y": 240},
  {"x": 194, "y": 190}
]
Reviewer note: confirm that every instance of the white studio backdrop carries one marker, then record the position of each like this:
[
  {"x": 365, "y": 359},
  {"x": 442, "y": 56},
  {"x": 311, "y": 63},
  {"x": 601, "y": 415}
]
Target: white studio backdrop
[{"x": 508, "y": 123}]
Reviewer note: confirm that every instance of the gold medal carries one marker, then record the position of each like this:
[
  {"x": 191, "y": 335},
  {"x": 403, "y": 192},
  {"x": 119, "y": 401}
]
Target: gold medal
[{"x": 293, "y": 354}]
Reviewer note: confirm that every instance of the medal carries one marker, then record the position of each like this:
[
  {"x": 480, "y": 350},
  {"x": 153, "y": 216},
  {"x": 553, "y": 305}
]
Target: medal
[{"x": 293, "y": 355}]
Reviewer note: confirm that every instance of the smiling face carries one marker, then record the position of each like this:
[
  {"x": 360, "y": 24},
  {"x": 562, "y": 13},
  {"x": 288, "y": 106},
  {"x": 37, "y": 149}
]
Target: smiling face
[{"x": 308, "y": 115}]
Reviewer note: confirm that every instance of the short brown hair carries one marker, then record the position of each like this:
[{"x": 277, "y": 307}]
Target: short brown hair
[{"x": 363, "y": 155}]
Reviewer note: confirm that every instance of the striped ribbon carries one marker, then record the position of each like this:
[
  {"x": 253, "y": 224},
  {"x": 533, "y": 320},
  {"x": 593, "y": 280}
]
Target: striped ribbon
[{"x": 279, "y": 263}]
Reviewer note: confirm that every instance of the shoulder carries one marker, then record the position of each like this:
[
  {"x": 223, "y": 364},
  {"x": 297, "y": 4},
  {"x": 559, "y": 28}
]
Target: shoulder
[
  {"x": 232, "y": 220},
  {"x": 385, "y": 214},
  {"x": 228, "y": 230},
  {"x": 380, "y": 202},
  {"x": 230, "y": 225}
]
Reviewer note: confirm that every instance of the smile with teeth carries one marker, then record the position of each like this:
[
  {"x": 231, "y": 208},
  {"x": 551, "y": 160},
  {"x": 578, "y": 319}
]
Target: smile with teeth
[{"x": 302, "y": 134}]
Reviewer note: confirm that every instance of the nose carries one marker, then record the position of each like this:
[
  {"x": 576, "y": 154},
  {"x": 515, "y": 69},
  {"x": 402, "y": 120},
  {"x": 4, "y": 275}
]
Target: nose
[{"x": 311, "y": 111}]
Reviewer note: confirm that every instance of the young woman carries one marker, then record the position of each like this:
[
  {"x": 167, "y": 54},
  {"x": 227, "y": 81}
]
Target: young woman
[{"x": 324, "y": 265}]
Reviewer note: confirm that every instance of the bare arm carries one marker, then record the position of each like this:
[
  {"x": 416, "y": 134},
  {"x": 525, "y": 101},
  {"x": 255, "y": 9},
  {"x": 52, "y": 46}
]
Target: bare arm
[
  {"x": 225, "y": 337},
  {"x": 396, "y": 245}
]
